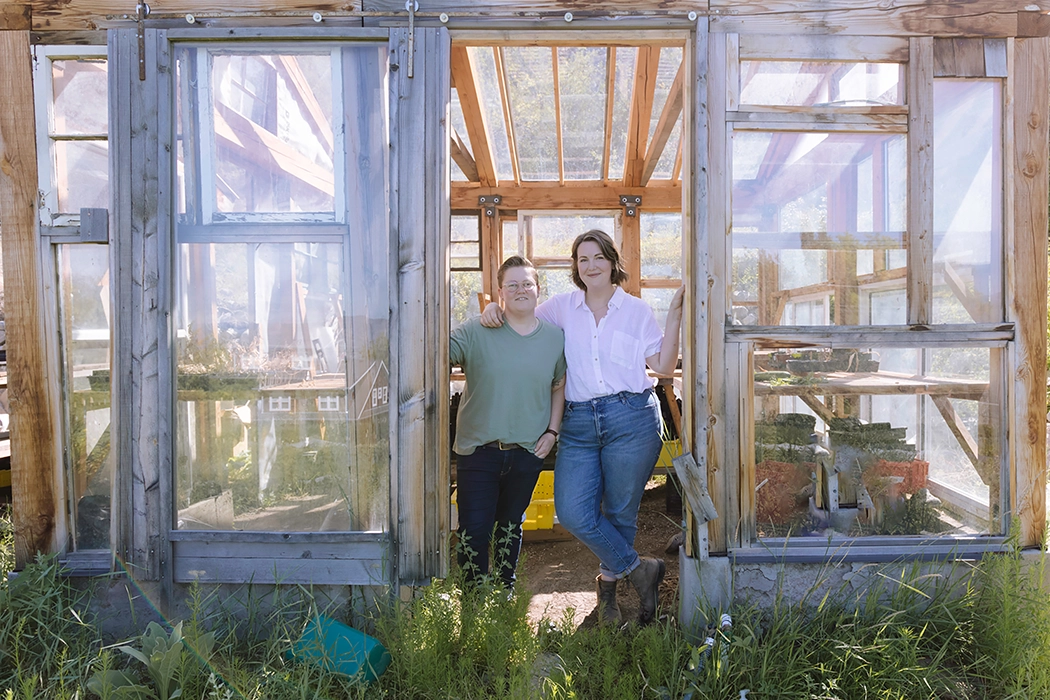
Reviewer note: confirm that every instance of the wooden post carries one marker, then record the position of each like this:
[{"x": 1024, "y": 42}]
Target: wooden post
[
  {"x": 1028, "y": 89},
  {"x": 631, "y": 248},
  {"x": 34, "y": 487},
  {"x": 920, "y": 180}
]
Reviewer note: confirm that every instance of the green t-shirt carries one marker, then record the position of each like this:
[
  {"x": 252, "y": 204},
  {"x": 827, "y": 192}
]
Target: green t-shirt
[{"x": 509, "y": 378}]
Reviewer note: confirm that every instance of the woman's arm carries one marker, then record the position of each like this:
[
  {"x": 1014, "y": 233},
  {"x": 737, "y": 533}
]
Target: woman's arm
[
  {"x": 492, "y": 316},
  {"x": 546, "y": 441},
  {"x": 665, "y": 362}
]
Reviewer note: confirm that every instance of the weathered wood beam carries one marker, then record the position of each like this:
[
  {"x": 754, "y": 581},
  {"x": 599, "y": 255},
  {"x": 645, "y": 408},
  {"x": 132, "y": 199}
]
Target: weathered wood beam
[
  {"x": 989, "y": 18},
  {"x": 610, "y": 93},
  {"x": 473, "y": 114},
  {"x": 34, "y": 491},
  {"x": 461, "y": 154},
  {"x": 554, "y": 196},
  {"x": 645, "y": 69},
  {"x": 16, "y": 16},
  {"x": 1028, "y": 90},
  {"x": 920, "y": 181},
  {"x": 664, "y": 126}
]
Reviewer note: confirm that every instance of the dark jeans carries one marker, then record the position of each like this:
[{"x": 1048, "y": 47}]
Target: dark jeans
[{"x": 494, "y": 489}]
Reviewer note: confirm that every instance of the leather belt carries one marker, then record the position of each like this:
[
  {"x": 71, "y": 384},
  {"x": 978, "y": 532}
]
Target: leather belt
[{"x": 500, "y": 445}]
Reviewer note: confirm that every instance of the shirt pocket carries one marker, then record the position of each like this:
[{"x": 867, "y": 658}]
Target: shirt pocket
[{"x": 625, "y": 349}]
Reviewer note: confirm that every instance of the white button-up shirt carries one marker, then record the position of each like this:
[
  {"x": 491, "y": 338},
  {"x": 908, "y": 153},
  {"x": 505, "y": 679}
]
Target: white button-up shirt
[{"x": 609, "y": 356}]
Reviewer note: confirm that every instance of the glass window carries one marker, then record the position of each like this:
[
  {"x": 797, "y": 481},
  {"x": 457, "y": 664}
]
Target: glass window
[
  {"x": 261, "y": 127},
  {"x": 282, "y": 332},
  {"x": 83, "y": 285},
  {"x": 814, "y": 216},
  {"x": 878, "y": 441},
  {"x": 74, "y": 158},
  {"x": 483, "y": 60},
  {"x": 626, "y": 57},
  {"x": 581, "y": 89},
  {"x": 820, "y": 84},
  {"x": 967, "y": 202},
  {"x": 661, "y": 241},
  {"x": 530, "y": 86}
]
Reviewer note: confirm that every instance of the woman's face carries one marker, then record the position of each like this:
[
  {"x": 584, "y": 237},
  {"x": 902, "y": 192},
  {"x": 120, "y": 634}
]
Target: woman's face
[{"x": 593, "y": 267}]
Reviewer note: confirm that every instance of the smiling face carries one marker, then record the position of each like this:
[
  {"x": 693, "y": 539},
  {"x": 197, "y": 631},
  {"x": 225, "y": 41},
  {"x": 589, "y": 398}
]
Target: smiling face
[
  {"x": 519, "y": 290},
  {"x": 592, "y": 266}
]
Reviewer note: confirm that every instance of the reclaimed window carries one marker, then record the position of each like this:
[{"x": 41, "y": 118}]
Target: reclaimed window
[
  {"x": 72, "y": 109},
  {"x": 84, "y": 323},
  {"x": 282, "y": 306},
  {"x": 465, "y": 274},
  {"x": 861, "y": 425}
]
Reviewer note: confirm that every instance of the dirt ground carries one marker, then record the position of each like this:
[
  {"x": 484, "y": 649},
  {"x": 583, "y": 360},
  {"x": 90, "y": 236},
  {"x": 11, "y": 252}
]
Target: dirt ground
[{"x": 560, "y": 574}]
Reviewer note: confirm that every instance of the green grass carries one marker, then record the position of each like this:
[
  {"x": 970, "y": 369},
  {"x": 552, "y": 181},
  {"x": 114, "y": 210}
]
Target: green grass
[{"x": 982, "y": 632}]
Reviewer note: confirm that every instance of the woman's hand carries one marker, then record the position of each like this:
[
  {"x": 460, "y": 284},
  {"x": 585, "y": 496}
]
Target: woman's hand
[
  {"x": 676, "y": 302},
  {"x": 492, "y": 316},
  {"x": 544, "y": 445}
]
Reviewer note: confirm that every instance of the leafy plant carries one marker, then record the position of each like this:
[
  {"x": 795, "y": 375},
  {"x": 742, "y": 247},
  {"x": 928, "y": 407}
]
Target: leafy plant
[{"x": 162, "y": 655}]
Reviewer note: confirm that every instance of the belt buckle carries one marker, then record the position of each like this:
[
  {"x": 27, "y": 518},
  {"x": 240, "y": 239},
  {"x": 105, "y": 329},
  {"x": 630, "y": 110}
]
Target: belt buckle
[{"x": 506, "y": 446}]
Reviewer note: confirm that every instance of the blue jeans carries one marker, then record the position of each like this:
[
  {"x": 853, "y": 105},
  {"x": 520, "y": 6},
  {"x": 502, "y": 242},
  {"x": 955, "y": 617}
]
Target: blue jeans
[
  {"x": 494, "y": 487},
  {"x": 606, "y": 453}
]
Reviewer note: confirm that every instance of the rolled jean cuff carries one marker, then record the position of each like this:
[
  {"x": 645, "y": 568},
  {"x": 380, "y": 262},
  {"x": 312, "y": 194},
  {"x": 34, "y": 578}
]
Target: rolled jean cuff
[{"x": 623, "y": 574}]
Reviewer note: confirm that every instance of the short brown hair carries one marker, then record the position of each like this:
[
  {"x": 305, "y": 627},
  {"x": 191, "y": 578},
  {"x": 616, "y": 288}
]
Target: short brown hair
[
  {"x": 608, "y": 248},
  {"x": 516, "y": 261}
]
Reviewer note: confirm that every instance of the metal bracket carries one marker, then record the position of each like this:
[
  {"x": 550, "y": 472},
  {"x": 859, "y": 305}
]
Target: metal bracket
[
  {"x": 141, "y": 13},
  {"x": 489, "y": 202},
  {"x": 412, "y": 6},
  {"x": 631, "y": 203}
]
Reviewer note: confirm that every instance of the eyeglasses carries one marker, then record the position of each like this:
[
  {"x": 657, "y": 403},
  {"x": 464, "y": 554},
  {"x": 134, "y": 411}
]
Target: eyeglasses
[{"x": 527, "y": 285}]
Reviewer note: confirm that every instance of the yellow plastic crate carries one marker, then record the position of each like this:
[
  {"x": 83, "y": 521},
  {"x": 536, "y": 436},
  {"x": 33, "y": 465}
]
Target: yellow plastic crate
[
  {"x": 670, "y": 450},
  {"x": 540, "y": 513}
]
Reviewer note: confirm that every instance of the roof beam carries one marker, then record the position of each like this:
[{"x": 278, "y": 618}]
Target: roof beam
[
  {"x": 645, "y": 69},
  {"x": 610, "y": 93},
  {"x": 508, "y": 118},
  {"x": 470, "y": 100},
  {"x": 574, "y": 194},
  {"x": 668, "y": 119}
]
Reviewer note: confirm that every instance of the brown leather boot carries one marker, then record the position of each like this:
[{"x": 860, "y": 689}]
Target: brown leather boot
[
  {"x": 646, "y": 578},
  {"x": 608, "y": 610}
]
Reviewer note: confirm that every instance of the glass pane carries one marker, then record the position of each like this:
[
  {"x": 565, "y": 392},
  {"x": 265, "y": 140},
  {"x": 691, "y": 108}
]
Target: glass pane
[
  {"x": 530, "y": 79},
  {"x": 659, "y": 301},
  {"x": 808, "y": 205},
  {"x": 967, "y": 201},
  {"x": 81, "y": 100},
  {"x": 511, "y": 244},
  {"x": 878, "y": 441},
  {"x": 81, "y": 175},
  {"x": 484, "y": 62},
  {"x": 459, "y": 125},
  {"x": 465, "y": 256},
  {"x": 552, "y": 235},
  {"x": 581, "y": 83},
  {"x": 817, "y": 84},
  {"x": 622, "y": 92},
  {"x": 661, "y": 237},
  {"x": 465, "y": 250},
  {"x": 466, "y": 227},
  {"x": 83, "y": 279},
  {"x": 279, "y": 427},
  {"x": 260, "y": 125},
  {"x": 463, "y": 302},
  {"x": 555, "y": 280}
]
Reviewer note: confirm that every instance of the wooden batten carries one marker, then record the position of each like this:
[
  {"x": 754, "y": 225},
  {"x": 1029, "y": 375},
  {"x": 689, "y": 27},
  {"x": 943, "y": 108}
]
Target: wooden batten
[
  {"x": 1028, "y": 90},
  {"x": 714, "y": 288},
  {"x": 34, "y": 488},
  {"x": 920, "y": 180}
]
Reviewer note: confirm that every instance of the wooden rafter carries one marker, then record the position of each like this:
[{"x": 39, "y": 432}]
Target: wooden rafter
[
  {"x": 573, "y": 194},
  {"x": 470, "y": 100},
  {"x": 557, "y": 115},
  {"x": 461, "y": 154},
  {"x": 665, "y": 126},
  {"x": 610, "y": 92},
  {"x": 508, "y": 119},
  {"x": 645, "y": 70}
]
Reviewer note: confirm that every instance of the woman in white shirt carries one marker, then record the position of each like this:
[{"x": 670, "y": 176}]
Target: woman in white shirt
[{"x": 610, "y": 433}]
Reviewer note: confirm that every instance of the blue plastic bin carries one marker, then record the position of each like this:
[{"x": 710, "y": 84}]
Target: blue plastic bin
[{"x": 342, "y": 649}]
